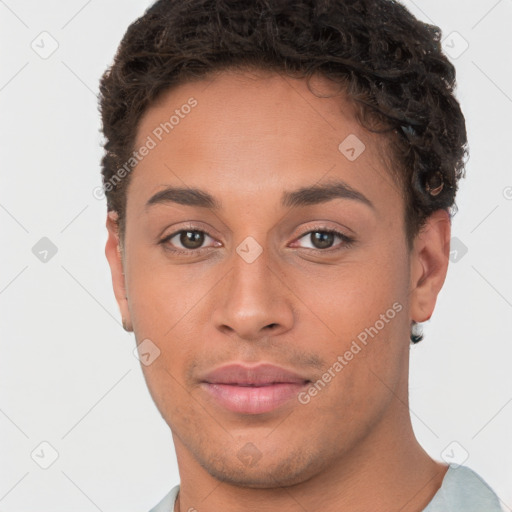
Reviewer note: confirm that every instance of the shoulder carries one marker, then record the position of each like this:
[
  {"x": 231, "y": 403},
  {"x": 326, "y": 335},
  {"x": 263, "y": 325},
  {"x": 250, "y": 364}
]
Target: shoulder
[
  {"x": 166, "y": 504},
  {"x": 463, "y": 489}
]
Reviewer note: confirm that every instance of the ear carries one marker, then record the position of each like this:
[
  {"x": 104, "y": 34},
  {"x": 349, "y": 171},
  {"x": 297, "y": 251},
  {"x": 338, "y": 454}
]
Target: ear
[
  {"x": 429, "y": 264},
  {"x": 115, "y": 261}
]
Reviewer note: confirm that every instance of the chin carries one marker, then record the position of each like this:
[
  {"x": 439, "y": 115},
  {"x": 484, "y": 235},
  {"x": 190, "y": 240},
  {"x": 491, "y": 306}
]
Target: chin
[{"x": 291, "y": 469}]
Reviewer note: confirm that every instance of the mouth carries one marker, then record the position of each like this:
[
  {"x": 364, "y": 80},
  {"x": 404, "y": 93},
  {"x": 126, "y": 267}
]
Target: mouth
[{"x": 252, "y": 390}]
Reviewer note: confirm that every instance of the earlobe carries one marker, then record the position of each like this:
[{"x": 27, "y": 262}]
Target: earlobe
[
  {"x": 115, "y": 261},
  {"x": 429, "y": 264}
]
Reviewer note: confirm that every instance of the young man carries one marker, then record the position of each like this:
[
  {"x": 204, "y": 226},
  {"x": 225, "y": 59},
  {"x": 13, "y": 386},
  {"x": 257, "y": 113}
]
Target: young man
[{"x": 279, "y": 178}]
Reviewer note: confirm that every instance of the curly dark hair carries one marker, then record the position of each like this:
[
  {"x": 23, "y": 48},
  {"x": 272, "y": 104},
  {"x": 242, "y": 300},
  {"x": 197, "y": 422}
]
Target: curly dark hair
[{"x": 390, "y": 64}]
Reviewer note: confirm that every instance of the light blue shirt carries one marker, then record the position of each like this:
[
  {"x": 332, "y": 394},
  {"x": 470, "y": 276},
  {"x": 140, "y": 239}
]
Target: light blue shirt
[{"x": 462, "y": 490}]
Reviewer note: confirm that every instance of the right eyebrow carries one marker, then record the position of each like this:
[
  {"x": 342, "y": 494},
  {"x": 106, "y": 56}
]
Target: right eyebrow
[{"x": 185, "y": 196}]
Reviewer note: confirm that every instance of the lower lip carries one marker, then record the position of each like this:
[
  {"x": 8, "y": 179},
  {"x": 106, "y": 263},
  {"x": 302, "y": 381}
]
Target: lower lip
[{"x": 251, "y": 399}]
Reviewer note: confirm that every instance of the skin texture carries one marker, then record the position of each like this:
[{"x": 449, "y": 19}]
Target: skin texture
[{"x": 251, "y": 137}]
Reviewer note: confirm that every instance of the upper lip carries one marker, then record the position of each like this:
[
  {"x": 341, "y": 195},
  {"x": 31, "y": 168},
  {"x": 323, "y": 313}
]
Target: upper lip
[{"x": 259, "y": 375}]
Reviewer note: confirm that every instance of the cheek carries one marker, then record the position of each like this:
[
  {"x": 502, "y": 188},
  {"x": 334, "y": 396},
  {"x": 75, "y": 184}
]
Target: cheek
[
  {"x": 167, "y": 390},
  {"x": 364, "y": 319},
  {"x": 343, "y": 302},
  {"x": 163, "y": 298}
]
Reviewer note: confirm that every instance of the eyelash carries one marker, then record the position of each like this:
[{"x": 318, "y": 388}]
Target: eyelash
[{"x": 347, "y": 241}]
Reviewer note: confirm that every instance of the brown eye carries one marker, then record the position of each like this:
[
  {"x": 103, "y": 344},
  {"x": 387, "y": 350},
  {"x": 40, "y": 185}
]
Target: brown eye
[
  {"x": 187, "y": 240},
  {"x": 322, "y": 239},
  {"x": 192, "y": 239}
]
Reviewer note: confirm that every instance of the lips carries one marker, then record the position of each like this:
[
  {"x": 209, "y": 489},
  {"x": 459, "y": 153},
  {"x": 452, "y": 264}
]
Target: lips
[{"x": 252, "y": 389}]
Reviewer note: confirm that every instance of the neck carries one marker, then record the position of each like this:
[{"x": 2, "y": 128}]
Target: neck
[{"x": 388, "y": 470}]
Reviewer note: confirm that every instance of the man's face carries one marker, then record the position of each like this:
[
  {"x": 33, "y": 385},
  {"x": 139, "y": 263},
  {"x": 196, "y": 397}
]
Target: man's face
[{"x": 259, "y": 280}]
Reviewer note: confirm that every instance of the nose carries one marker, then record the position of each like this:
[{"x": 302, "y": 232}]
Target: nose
[{"x": 253, "y": 302}]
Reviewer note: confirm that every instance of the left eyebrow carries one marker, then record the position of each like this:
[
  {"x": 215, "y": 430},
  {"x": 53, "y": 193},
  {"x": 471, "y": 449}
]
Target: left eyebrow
[
  {"x": 304, "y": 196},
  {"x": 317, "y": 194}
]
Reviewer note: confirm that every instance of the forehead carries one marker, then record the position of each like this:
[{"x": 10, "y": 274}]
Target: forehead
[
  {"x": 241, "y": 131},
  {"x": 239, "y": 105}
]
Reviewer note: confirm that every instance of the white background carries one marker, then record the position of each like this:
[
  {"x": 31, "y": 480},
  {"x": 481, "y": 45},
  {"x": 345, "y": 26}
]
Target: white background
[{"x": 67, "y": 372}]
